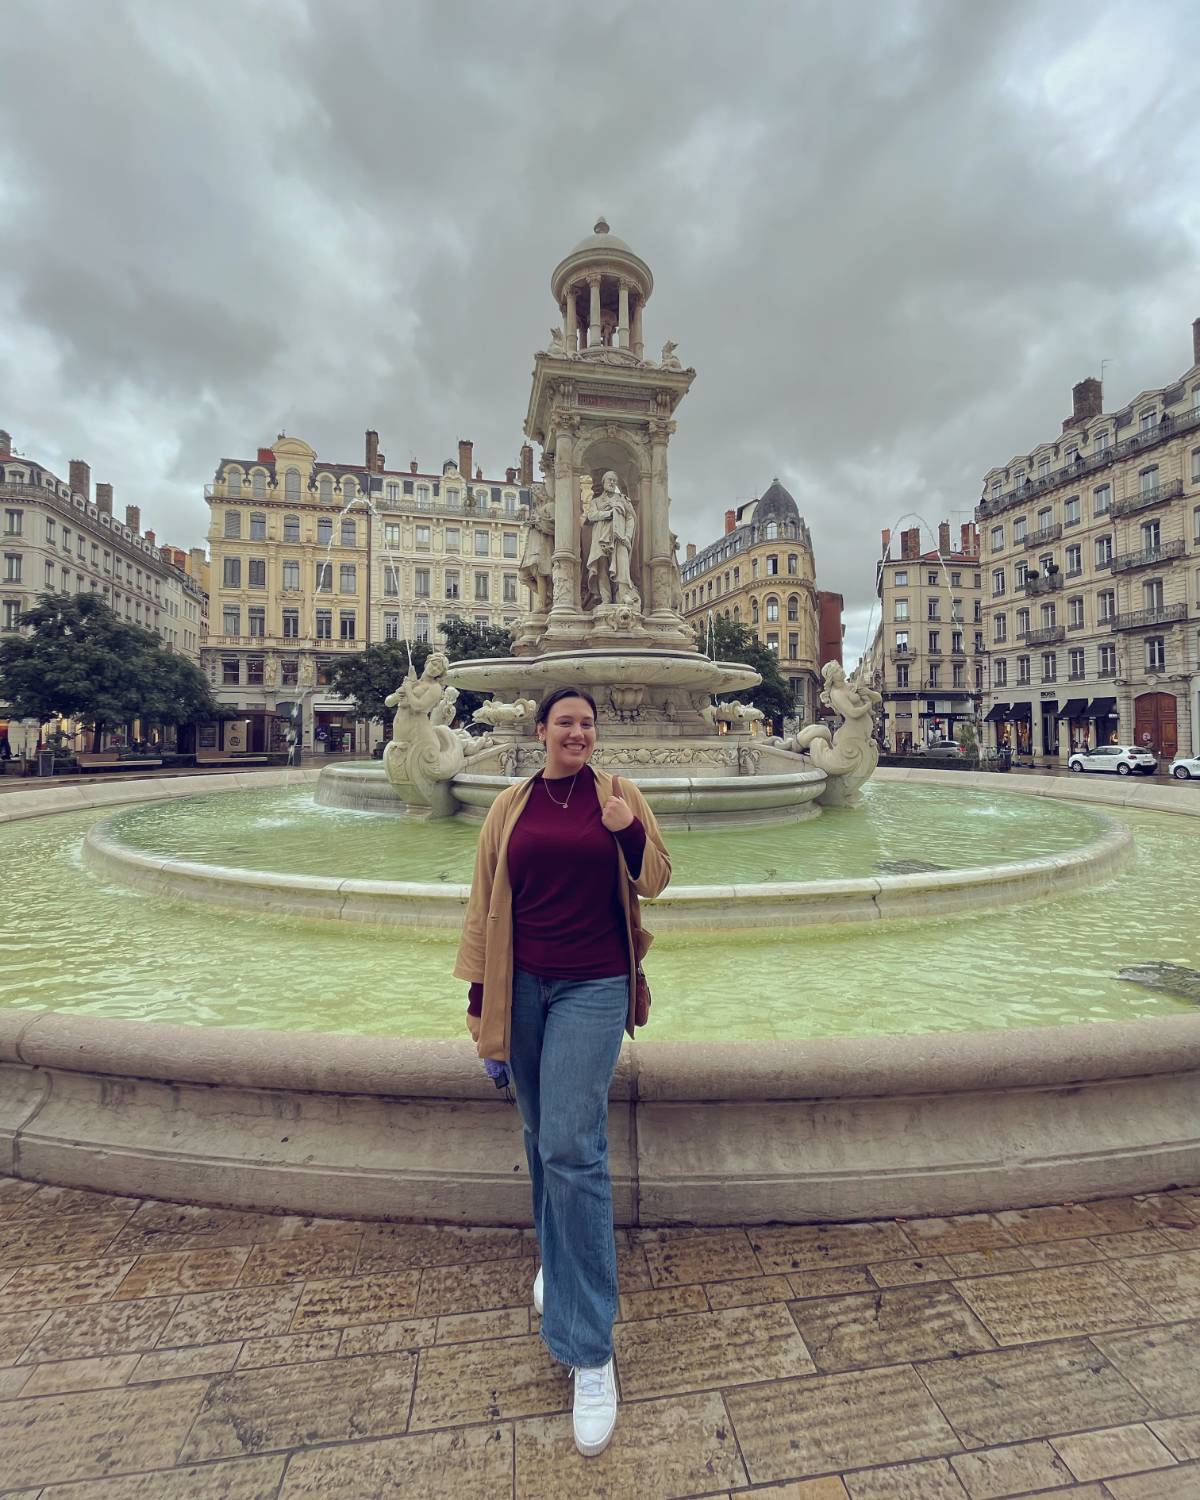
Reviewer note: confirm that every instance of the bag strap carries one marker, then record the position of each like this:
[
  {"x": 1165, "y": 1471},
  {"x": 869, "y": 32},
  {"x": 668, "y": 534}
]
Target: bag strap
[{"x": 616, "y": 786}]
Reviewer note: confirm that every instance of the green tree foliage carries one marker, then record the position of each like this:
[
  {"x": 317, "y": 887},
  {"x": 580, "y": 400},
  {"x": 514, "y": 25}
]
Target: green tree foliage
[
  {"x": 368, "y": 677},
  {"x": 83, "y": 662},
  {"x": 465, "y": 642},
  {"x": 968, "y": 739},
  {"x": 730, "y": 640}
]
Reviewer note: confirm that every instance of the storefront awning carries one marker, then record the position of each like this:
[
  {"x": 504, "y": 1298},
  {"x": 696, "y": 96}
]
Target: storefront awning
[
  {"x": 997, "y": 711},
  {"x": 1022, "y": 711},
  {"x": 1074, "y": 708},
  {"x": 1102, "y": 708}
]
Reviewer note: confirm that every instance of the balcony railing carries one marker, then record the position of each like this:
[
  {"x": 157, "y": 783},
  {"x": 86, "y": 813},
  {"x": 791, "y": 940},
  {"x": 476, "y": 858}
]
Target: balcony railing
[
  {"x": 946, "y": 689},
  {"x": 1044, "y": 583},
  {"x": 1139, "y": 619},
  {"x": 1148, "y": 557},
  {"x": 1047, "y": 635},
  {"x": 901, "y": 653},
  {"x": 1147, "y": 499},
  {"x": 1046, "y": 534}
]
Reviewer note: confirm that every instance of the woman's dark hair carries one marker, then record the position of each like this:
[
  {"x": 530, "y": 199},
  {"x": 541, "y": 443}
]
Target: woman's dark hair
[{"x": 548, "y": 702}]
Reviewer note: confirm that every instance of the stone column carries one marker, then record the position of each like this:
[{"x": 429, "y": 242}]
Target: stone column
[
  {"x": 637, "y": 328},
  {"x": 658, "y": 527},
  {"x": 566, "y": 525},
  {"x": 572, "y": 323},
  {"x": 623, "y": 314},
  {"x": 594, "y": 332}
]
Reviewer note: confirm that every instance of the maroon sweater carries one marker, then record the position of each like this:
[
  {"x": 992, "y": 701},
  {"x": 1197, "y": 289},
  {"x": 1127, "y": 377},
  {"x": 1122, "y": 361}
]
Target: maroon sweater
[{"x": 568, "y": 922}]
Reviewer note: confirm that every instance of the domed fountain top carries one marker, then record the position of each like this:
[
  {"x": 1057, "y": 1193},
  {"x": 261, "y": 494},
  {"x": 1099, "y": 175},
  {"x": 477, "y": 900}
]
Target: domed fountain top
[{"x": 602, "y": 251}]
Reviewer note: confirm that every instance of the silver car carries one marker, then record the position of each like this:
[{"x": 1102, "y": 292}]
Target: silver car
[{"x": 1125, "y": 760}]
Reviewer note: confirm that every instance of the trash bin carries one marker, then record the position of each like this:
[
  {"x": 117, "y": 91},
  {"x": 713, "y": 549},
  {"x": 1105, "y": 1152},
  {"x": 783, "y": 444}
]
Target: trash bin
[
  {"x": 45, "y": 763},
  {"x": 1004, "y": 759}
]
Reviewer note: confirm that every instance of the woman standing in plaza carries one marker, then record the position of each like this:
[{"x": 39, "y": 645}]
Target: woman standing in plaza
[{"x": 550, "y": 947}]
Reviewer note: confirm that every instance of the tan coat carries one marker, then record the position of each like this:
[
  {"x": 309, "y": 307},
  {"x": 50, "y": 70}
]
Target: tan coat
[{"x": 485, "y": 953}]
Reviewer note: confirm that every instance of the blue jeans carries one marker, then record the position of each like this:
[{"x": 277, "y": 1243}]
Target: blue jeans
[{"x": 564, "y": 1044}]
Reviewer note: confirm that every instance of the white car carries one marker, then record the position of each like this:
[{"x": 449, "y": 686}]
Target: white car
[
  {"x": 1125, "y": 760},
  {"x": 1186, "y": 767}
]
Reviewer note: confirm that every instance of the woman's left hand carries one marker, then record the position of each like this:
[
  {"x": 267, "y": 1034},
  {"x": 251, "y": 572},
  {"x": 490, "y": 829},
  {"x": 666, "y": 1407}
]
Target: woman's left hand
[{"x": 615, "y": 813}]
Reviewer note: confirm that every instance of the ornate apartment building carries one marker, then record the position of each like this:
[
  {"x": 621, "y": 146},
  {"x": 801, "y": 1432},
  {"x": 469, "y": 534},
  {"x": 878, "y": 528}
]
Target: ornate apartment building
[
  {"x": 762, "y": 573},
  {"x": 313, "y": 559},
  {"x": 1091, "y": 548},
  {"x": 56, "y": 538},
  {"x": 927, "y": 656}
]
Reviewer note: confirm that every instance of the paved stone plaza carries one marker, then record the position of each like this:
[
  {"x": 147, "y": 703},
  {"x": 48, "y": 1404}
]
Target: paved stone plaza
[{"x": 156, "y": 1352}]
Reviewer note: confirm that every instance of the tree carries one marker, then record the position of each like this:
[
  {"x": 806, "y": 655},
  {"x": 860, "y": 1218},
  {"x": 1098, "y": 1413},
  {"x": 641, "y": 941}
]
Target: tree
[
  {"x": 969, "y": 740},
  {"x": 730, "y": 640},
  {"x": 367, "y": 678},
  {"x": 465, "y": 642},
  {"x": 83, "y": 662}
]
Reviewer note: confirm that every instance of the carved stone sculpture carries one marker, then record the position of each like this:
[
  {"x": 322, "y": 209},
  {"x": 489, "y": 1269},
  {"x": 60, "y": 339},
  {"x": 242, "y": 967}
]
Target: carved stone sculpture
[
  {"x": 737, "y": 715},
  {"x": 850, "y": 754},
  {"x": 424, "y": 753},
  {"x": 536, "y": 568},
  {"x": 614, "y": 525},
  {"x": 505, "y": 715},
  {"x": 670, "y": 360}
]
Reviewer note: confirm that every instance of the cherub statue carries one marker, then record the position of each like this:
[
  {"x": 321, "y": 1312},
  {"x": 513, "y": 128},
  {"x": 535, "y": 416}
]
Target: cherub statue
[{"x": 849, "y": 754}]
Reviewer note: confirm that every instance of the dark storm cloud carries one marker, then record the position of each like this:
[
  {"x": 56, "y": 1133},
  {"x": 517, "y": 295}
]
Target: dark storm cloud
[{"x": 888, "y": 236}]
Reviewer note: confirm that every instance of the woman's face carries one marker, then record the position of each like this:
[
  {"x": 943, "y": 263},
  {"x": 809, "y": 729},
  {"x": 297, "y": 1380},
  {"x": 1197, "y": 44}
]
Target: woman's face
[{"x": 569, "y": 735}]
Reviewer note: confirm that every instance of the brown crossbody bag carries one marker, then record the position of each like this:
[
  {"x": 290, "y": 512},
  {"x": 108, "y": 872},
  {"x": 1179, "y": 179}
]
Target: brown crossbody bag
[{"x": 641, "y": 997}]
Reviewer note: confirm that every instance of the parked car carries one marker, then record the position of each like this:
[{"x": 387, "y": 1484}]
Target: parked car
[
  {"x": 1186, "y": 767},
  {"x": 943, "y": 750},
  {"x": 1125, "y": 760}
]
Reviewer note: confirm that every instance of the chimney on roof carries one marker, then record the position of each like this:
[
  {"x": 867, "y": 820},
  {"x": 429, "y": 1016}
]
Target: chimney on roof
[
  {"x": 1087, "y": 400},
  {"x": 691, "y": 552},
  {"x": 266, "y": 455},
  {"x": 510, "y": 476},
  {"x": 885, "y": 541},
  {"x": 465, "y": 452},
  {"x": 372, "y": 458},
  {"x": 5, "y": 444},
  {"x": 730, "y": 521},
  {"x": 81, "y": 478},
  {"x": 526, "y": 466},
  {"x": 944, "y": 538},
  {"x": 1196, "y": 342},
  {"x": 150, "y": 538},
  {"x": 910, "y": 543},
  {"x": 104, "y": 499},
  {"x": 965, "y": 538},
  {"x": 197, "y": 558},
  {"x": 133, "y": 518}
]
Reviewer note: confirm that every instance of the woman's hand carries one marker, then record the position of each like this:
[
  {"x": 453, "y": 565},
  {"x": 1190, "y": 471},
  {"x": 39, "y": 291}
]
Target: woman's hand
[{"x": 615, "y": 813}]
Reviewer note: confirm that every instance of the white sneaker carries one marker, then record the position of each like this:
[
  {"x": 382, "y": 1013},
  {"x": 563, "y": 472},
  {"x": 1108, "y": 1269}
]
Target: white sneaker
[
  {"x": 595, "y": 1412},
  {"x": 538, "y": 1287}
]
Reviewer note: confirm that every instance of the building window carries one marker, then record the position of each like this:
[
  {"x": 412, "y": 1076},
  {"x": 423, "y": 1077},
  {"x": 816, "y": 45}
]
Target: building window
[
  {"x": 793, "y": 607},
  {"x": 1101, "y": 499},
  {"x": 481, "y": 588},
  {"x": 258, "y": 526},
  {"x": 772, "y": 609},
  {"x": 793, "y": 563},
  {"x": 902, "y": 675},
  {"x": 453, "y": 539},
  {"x": 1022, "y": 622},
  {"x": 754, "y": 611},
  {"x": 289, "y": 671},
  {"x": 254, "y": 670},
  {"x": 423, "y": 498},
  {"x": 347, "y": 578},
  {"x": 510, "y": 588},
  {"x": 935, "y": 674},
  {"x": 902, "y": 641},
  {"x": 231, "y": 619},
  {"x": 349, "y": 488},
  {"x": 1104, "y": 551},
  {"x": 452, "y": 577},
  {"x": 900, "y": 609},
  {"x": 1074, "y": 560},
  {"x": 1075, "y": 612},
  {"x": 1020, "y": 531},
  {"x": 772, "y": 566},
  {"x": 1106, "y": 605},
  {"x": 999, "y": 628},
  {"x": 233, "y": 481},
  {"x": 258, "y": 485},
  {"x": 1156, "y": 653},
  {"x": 12, "y": 522},
  {"x": 1072, "y": 514},
  {"x": 933, "y": 609},
  {"x": 324, "y": 621},
  {"x": 1075, "y": 661},
  {"x": 349, "y": 533},
  {"x": 391, "y": 581},
  {"x": 291, "y": 574},
  {"x": 346, "y": 624},
  {"x": 1152, "y": 594},
  {"x": 256, "y": 618},
  {"x": 1145, "y": 421},
  {"x": 233, "y": 526},
  {"x": 1000, "y": 669},
  {"x": 391, "y": 627},
  {"x": 935, "y": 642},
  {"x": 481, "y": 544},
  {"x": 1022, "y": 671},
  {"x": 291, "y": 624},
  {"x": 1043, "y": 468},
  {"x": 291, "y": 485},
  {"x": 793, "y": 646},
  {"x": 323, "y": 574},
  {"x": 231, "y": 671},
  {"x": 421, "y": 627},
  {"x": 421, "y": 583},
  {"x": 1196, "y": 524},
  {"x": 324, "y": 671},
  {"x": 325, "y": 489},
  {"x": 1148, "y": 481},
  {"x": 900, "y": 578},
  {"x": 256, "y": 573},
  {"x": 510, "y": 544},
  {"x": 231, "y": 577},
  {"x": 291, "y": 528},
  {"x": 997, "y": 582},
  {"x": 324, "y": 531},
  {"x": 424, "y": 535},
  {"x": 1107, "y": 660}
]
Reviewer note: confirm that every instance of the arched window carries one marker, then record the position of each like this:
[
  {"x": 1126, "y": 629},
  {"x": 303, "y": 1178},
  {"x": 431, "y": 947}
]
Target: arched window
[
  {"x": 772, "y": 608},
  {"x": 233, "y": 481},
  {"x": 793, "y": 563},
  {"x": 754, "y": 611},
  {"x": 772, "y": 530},
  {"x": 291, "y": 485},
  {"x": 793, "y": 606},
  {"x": 349, "y": 533},
  {"x": 349, "y": 488},
  {"x": 258, "y": 484},
  {"x": 737, "y": 614},
  {"x": 325, "y": 489}
]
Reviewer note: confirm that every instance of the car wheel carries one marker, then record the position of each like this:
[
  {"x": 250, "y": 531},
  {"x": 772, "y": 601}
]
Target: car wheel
[
  {"x": 1181, "y": 773},
  {"x": 1124, "y": 770},
  {"x": 1074, "y": 765}
]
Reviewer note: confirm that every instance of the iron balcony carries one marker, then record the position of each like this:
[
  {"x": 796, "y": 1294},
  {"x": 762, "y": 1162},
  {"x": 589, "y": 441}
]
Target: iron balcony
[
  {"x": 1148, "y": 557},
  {"x": 1139, "y": 619},
  {"x": 1147, "y": 499}
]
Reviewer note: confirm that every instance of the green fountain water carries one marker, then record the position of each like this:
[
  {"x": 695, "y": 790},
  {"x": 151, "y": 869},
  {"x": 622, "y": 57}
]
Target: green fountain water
[{"x": 72, "y": 942}]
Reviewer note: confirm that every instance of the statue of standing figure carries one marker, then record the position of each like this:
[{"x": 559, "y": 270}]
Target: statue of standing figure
[
  {"x": 614, "y": 525},
  {"x": 536, "y": 569}
]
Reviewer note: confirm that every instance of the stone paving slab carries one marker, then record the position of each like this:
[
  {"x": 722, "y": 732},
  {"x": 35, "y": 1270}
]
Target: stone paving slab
[{"x": 153, "y": 1351}]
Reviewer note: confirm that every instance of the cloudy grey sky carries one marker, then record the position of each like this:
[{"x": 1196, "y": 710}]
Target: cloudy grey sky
[{"x": 889, "y": 234}]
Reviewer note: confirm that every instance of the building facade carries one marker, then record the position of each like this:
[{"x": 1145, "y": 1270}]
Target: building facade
[
  {"x": 57, "y": 538},
  {"x": 313, "y": 560},
  {"x": 927, "y": 657},
  {"x": 762, "y": 573},
  {"x": 1091, "y": 547}
]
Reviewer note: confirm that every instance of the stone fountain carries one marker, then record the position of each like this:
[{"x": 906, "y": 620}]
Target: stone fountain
[{"x": 599, "y": 559}]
